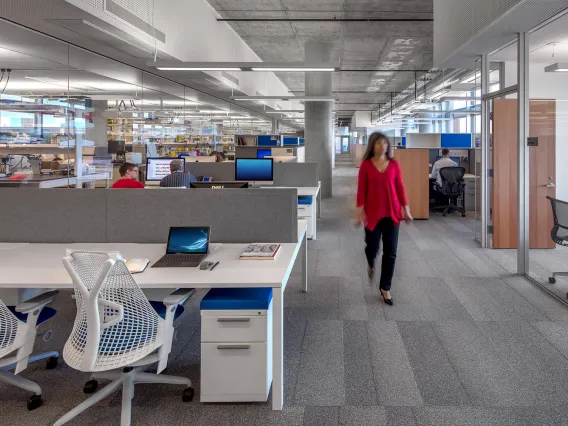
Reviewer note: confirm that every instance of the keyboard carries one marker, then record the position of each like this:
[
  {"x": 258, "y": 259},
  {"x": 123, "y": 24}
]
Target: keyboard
[{"x": 182, "y": 258}]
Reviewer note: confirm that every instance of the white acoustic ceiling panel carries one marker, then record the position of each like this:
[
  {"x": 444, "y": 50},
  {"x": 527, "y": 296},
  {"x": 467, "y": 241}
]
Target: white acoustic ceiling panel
[
  {"x": 465, "y": 29},
  {"x": 97, "y": 4}
]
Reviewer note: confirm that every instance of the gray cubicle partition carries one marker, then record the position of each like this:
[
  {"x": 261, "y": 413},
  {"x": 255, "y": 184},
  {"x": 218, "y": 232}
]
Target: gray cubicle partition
[
  {"x": 224, "y": 171},
  {"x": 296, "y": 174},
  {"x": 144, "y": 216}
]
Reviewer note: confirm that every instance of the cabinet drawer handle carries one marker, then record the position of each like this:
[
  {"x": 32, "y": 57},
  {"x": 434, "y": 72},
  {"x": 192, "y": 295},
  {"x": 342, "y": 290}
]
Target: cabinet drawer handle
[
  {"x": 237, "y": 319},
  {"x": 233, "y": 346}
]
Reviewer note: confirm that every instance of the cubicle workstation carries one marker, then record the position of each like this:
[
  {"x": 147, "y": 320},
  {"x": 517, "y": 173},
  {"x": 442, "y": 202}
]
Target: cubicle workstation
[
  {"x": 124, "y": 221},
  {"x": 461, "y": 151},
  {"x": 302, "y": 176}
]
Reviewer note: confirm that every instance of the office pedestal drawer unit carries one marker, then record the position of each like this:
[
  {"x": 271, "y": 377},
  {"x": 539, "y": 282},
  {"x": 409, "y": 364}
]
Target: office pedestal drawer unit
[{"x": 236, "y": 345}]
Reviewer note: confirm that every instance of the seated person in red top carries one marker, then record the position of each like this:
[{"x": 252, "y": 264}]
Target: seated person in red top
[{"x": 128, "y": 177}]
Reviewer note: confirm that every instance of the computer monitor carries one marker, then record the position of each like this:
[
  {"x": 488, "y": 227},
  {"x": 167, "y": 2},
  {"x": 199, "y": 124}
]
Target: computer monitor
[
  {"x": 262, "y": 153},
  {"x": 190, "y": 239},
  {"x": 116, "y": 147},
  {"x": 454, "y": 159},
  {"x": 254, "y": 170},
  {"x": 158, "y": 168},
  {"x": 219, "y": 185}
]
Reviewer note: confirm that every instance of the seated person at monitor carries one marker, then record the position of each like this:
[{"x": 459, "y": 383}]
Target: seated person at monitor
[
  {"x": 178, "y": 177},
  {"x": 219, "y": 157},
  {"x": 128, "y": 177},
  {"x": 445, "y": 161}
]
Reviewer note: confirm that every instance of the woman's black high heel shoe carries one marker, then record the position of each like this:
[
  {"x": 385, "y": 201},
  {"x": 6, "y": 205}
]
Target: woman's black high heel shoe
[{"x": 387, "y": 301}]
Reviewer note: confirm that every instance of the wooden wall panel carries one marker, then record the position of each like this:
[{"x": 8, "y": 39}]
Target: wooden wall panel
[
  {"x": 542, "y": 165},
  {"x": 505, "y": 191},
  {"x": 415, "y": 173}
]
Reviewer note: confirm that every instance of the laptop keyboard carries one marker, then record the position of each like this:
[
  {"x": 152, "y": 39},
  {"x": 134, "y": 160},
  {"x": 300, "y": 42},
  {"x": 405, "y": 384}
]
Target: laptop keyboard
[{"x": 173, "y": 258}]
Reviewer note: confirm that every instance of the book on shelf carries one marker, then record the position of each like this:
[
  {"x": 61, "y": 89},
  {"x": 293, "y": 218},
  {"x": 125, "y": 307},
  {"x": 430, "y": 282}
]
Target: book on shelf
[{"x": 261, "y": 251}]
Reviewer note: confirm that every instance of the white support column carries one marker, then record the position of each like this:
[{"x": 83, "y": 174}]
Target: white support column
[
  {"x": 318, "y": 115},
  {"x": 484, "y": 153},
  {"x": 523, "y": 155}
]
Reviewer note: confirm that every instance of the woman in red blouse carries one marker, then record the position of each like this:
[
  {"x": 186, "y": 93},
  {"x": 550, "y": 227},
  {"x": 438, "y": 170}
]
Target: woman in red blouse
[{"x": 381, "y": 203}]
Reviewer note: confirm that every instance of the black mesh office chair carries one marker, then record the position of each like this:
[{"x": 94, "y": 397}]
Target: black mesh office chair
[
  {"x": 453, "y": 185},
  {"x": 559, "y": 232}
]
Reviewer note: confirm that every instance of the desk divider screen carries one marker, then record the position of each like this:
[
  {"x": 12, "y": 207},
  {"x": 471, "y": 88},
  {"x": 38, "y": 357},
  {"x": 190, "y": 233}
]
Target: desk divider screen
[
  {"x": 296, "y": 174},
  {"x": 218, "y": 171},
  {"x": 144, "y": 216}
]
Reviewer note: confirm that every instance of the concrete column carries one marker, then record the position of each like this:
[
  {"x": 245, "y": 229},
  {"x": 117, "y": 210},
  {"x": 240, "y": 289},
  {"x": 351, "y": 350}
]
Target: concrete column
[{"x": 318, "y": 115}]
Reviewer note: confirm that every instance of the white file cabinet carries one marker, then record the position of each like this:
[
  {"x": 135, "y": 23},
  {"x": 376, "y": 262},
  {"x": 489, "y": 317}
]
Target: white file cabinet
[{"x": 236, "y": 345}]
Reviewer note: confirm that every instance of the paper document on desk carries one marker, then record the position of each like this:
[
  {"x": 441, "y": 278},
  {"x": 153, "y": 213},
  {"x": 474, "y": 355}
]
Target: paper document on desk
[{"x": 136, "y": 266}]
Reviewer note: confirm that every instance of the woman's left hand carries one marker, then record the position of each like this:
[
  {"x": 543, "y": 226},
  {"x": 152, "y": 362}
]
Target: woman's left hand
[{"x": 407, "y": 215}]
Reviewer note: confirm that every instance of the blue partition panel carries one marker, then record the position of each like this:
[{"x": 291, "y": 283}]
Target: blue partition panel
[
  {"x": 456, "y": 140},
  {"x": 291, "y": 141},
  {"x": 404, "y": 141},
  {"x": 268, "y": 140}
]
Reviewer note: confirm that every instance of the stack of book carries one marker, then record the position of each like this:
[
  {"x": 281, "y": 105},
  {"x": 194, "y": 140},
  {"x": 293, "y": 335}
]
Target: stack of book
[{"x": 261, "y": 251}]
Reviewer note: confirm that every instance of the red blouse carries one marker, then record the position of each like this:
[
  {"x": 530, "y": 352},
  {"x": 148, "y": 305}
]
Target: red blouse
[{"x": 381, "y": 194}]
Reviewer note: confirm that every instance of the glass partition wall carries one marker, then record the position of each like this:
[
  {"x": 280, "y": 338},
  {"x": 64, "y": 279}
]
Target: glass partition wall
[
  {"x": 548, "y": 151},
  {"x": 69, "y": 117}
]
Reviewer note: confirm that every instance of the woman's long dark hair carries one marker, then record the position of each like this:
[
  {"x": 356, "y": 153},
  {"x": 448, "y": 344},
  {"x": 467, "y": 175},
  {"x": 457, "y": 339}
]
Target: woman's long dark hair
[{"x": 373, "y": 140}]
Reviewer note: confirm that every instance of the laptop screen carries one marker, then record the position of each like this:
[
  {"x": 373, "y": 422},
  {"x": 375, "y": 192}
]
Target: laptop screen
[{"x": 192, "y": 239}]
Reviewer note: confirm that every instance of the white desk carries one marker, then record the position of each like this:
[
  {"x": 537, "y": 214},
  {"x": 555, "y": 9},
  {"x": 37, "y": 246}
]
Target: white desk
[
  {"x": 54, "y": 181},
  {"x": 40, "y": 266},
  {"x": 315, "y": 207}
]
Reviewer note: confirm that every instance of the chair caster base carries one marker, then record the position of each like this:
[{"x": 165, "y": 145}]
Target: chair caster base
[
  {"x": 34, "y": 402},
  {"x": 188, "y": 394},
  {"x": 52, "y": 362},
  {"x": 91, "y": 386},
  {"x": 463, "y": 214}
]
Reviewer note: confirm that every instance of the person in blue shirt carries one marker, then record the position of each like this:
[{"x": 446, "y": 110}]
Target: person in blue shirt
[{"x": 178, "y": 178}]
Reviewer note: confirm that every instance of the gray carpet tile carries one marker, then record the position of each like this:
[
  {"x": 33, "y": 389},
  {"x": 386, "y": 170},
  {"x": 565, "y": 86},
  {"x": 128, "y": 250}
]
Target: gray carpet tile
[
  {"x": 552, "y": 308},
  {"x": 464, "y": 416},
  {"x": 321, "y": 375},
  {"x": 392, "y": 371},
  {"x": 423, "y": 299},
  {"x": 490, "y": 299},
  {"x": 352, "y": 304},
  {"x": 542, "y": 369},
  {"x": 556, "y": 333},
  {"x": 321, "y": 416},
  {"x": 359, "y": 381},
  {"x": 400, "y": 416},
  {"x": 488, "y": 378},
  {"x": 362, "y": 416},
  {"x": 437, "y": 380}
]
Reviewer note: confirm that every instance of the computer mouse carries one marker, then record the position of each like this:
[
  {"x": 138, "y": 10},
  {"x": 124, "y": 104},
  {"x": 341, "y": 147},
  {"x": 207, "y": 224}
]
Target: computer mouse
[{"x": 204, "y": 265}]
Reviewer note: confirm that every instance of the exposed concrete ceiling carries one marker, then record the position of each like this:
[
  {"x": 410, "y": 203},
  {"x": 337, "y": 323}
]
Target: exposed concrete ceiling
[{"x": 363, "y": 46}]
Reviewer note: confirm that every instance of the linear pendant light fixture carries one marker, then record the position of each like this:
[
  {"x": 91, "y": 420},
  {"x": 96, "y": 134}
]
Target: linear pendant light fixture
[
  {"x": 557, "y": 68},
  {"x": 244, "y": 66}
]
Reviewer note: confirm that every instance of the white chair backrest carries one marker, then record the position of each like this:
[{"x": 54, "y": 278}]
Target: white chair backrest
[
  {"x": 10, "y": 331},
  {"x": 115, "y": 323}
]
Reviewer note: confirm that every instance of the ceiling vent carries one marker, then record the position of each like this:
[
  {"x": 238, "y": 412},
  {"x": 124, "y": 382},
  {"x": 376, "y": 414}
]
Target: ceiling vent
[{"x": 96, "y": 29}]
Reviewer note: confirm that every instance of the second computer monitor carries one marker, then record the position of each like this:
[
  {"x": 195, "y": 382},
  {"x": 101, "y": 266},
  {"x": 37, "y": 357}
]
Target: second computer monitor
[
  {"x": 262, "y": 153},
  {"x": 254, "y": 170}
]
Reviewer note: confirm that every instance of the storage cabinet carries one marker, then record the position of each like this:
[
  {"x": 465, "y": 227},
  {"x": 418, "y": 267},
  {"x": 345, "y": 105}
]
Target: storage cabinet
[{"x": 236, "y": 346}]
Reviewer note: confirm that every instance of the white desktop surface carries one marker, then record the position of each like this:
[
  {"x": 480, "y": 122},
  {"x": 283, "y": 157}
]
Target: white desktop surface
[
  {"x": 302, "y": 190},
  {"x": 40, "y": 266}
]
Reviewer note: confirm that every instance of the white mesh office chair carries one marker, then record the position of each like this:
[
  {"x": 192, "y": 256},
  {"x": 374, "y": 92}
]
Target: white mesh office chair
[
  {"x": 117, "y": 331},
  {"x": 18, "y": 328}
]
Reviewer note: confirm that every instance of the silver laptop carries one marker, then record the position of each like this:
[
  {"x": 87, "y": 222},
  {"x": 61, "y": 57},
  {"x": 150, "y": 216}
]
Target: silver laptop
[{"x": 187, "y": 247}]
